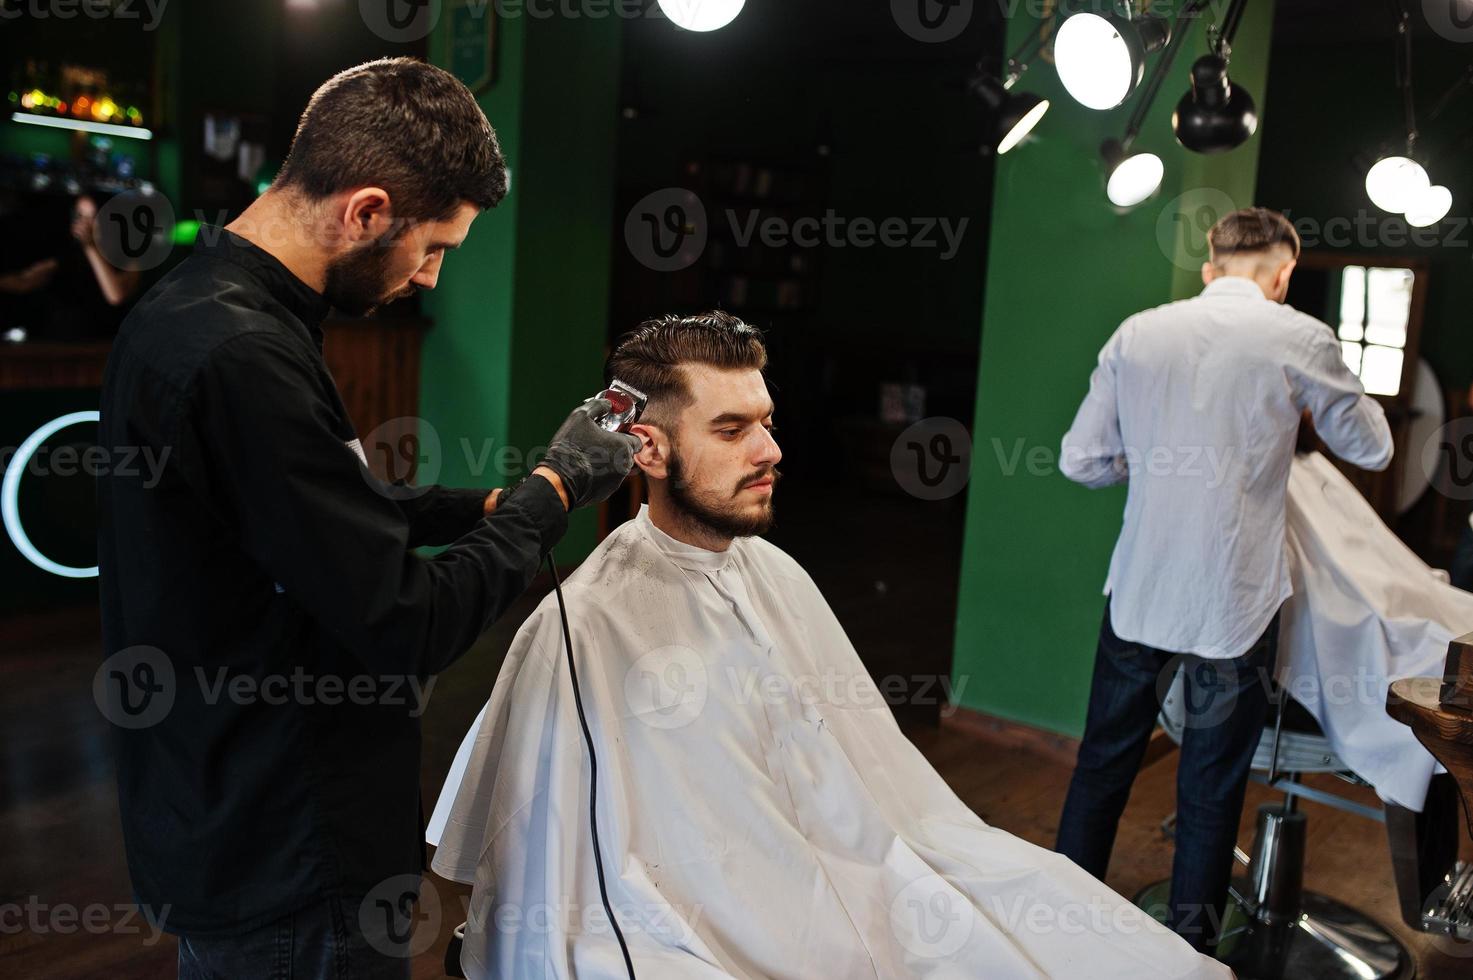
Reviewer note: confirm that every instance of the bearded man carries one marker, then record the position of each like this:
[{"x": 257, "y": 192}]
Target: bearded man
[{"x": 758, "y": 811}]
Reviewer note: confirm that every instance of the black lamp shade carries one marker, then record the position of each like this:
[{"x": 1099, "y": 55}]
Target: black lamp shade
[
  {"x": 1215, "y": 115},
  {"x": 1006, "y": 111}
]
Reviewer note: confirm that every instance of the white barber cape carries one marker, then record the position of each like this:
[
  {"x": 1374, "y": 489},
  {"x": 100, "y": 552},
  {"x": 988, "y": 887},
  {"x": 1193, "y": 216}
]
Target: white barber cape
[
  {"x": 760, "y": 813},
  {"x": 1365, "y": 612}
]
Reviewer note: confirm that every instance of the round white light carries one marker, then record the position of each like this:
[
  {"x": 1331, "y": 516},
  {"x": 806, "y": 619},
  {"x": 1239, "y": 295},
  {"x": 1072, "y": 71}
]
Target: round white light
[
  {"x": 702, "y": 15},
  {"x": 10, "y": 496},
  {"x": 1093, "y": 61},
  {"x": 1134, "y": 179},
  {"x": 1023, "y": 127},
  {"x": 1394, "y": 182},
  {"x": 1430, "y": 206}
]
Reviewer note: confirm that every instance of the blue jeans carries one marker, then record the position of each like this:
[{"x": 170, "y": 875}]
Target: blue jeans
[
  {"x": 1227, "y": 705},
  {"x": 326, "y": 941}
]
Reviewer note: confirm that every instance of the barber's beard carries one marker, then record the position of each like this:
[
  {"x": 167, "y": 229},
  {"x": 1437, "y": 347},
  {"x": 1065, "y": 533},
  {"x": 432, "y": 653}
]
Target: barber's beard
[
  {"x": 708, "y": 513},
  {"x": 357, "y": 281}
]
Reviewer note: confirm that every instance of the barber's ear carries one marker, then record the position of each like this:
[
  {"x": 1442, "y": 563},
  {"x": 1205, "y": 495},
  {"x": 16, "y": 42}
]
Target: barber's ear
[
  {"x": 367, "y": 215},
  {"x": 1208, "y": 273},
  {"x": 654, "y": 451}
]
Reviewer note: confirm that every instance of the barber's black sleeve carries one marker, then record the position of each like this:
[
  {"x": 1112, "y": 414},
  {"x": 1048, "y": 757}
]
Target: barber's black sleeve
[
  {"x": 439, "y": 515},
  {"x": 265, "y": 434}
]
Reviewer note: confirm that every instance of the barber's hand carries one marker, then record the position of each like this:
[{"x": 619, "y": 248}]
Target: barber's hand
[
  {"x": 31, "y": 278},
  {"x": 590, "y": 461}
]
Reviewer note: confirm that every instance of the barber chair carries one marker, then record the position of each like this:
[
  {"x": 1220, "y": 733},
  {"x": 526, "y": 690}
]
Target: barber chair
[{"x": 1273, "y": 928}]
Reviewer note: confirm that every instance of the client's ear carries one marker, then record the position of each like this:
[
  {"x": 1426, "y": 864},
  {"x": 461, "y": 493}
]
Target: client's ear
[{"x": 654, "y": 451}]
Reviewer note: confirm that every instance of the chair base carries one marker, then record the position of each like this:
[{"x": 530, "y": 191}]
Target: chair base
[{"x": 1329, "y": 941}]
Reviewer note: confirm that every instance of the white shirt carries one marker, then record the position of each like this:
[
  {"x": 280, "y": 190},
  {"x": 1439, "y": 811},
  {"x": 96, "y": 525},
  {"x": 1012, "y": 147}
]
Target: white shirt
[{"x": 1197, "y": 403}]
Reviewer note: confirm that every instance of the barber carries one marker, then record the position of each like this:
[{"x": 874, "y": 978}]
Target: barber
[
  {"x": 1197, "y": 405},
  {"x": 272, "y": 628}
]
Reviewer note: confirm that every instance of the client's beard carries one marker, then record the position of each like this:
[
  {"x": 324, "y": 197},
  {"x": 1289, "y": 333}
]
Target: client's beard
[
  {"x": 718, "y": 522},
  {"x": 355, "y": 281}
]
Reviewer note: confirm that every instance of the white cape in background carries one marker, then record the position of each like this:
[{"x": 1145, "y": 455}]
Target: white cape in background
[
  {"x": 1366, "y": 611},
  {"x": 760, "y": 813}
]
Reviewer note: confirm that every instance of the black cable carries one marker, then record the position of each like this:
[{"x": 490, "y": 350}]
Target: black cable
[
  {"x": 1163, "y": 65},
  {"x": 598, "y": 860}
]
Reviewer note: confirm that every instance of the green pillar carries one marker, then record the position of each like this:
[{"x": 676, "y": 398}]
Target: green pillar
[
  {"x": 1064, "y": 269},
  {"x": 521, "y": 310}
]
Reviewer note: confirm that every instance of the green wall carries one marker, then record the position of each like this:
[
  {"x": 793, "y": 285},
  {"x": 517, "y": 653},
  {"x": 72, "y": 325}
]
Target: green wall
[
  {"x": 520, "y": 313},
  {"x": 1064, "y": 268}
]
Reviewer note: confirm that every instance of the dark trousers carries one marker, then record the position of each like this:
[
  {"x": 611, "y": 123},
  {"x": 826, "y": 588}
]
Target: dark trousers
[
  {"x": 336, "y": 939},
  {"x": 1227, "y": 704}
]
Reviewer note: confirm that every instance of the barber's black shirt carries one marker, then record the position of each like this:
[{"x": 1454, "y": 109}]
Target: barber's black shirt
[{"x": 264, "y": 613}]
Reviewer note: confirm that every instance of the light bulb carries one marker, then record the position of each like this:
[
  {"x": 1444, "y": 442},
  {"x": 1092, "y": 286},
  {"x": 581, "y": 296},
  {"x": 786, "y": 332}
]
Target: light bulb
[
  {"x": 1134, "y": 179},
  {"x": 1394, "y": 182},
  {"x": 1094, "y": 61},
  {"x": 701, "y": 15},
  {"x": 1429, "y": 206}
]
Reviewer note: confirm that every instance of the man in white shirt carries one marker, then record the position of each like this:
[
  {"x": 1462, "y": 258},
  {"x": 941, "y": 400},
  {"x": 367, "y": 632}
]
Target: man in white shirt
[
  {"x": 1197, "y": 404},
  {"x": 759, "y": 813}
]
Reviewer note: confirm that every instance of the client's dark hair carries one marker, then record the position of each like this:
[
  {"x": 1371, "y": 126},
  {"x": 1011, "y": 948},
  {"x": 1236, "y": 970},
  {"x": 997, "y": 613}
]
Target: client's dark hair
[
  {"x": 649, "y": 357},
  {"x": 1251, "y": 231},
  {"x": 400, "y": 124}
]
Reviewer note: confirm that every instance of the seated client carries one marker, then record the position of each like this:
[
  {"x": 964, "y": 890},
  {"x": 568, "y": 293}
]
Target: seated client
[{"x": 759, "y": 812}]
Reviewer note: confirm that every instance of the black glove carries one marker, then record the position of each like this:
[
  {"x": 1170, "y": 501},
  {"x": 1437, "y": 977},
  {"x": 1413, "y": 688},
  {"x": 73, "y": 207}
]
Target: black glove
[{"x": 591, "y": 461}]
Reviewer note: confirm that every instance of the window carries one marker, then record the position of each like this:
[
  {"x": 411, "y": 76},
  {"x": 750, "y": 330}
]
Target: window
[{"x": 1375, "y": 305}]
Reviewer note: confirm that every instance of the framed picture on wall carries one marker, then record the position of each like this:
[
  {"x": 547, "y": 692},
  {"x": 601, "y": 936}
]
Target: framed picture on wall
[{"x": 470, "y": 42}]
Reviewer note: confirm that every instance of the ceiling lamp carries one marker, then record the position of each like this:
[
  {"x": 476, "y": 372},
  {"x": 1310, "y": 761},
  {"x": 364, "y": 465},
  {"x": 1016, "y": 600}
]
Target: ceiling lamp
[
  {"x": 1132, "y": 177},
  {"x": 1215, "y": 115},
  {"x": 1394, "y": 182},
  {"x": 1012, "y": 114},
  {"x": 701, "y": 15},
  {"x": 1101, "y": 58},
  {"x": 1429, "y": 206}
]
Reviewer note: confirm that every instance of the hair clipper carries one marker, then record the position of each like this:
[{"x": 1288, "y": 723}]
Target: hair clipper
[{"x": 627, "y": 404}]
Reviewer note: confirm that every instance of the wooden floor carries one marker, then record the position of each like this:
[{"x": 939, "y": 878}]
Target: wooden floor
[{"x": 62, "y": 856}]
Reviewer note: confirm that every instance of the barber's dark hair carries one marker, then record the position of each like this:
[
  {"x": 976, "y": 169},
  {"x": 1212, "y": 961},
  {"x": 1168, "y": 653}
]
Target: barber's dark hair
[
  {"x": 650, "y": 356},
  {"x": 1251, "y": 230},
  {"x": 400, "y": 124}
]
